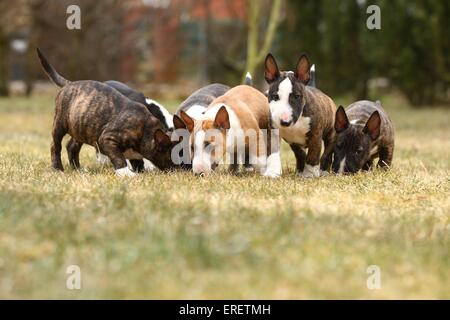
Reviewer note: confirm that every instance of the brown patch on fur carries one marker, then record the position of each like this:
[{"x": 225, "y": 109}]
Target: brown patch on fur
[{"x": 252, "y": 110}]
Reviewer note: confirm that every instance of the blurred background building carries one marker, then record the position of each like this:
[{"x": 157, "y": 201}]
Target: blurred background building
[{"x": 173, "y": 45}]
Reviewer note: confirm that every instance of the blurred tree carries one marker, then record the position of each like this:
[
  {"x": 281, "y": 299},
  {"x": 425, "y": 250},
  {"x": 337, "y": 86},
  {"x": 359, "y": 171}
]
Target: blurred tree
[
  {"x": 95, "y": 51},
  {"x": 416, "y": 48},
  {"x": 412, "y": 48},
  {"x": 13, "y": 18},
  {"x": 256, "y": 54},
  {"x": 166, "y": 43},
  {"x": 225, "y": 43}
]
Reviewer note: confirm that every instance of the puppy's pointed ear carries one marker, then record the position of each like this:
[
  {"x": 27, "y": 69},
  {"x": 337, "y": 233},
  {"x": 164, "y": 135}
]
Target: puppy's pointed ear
[
  {"x": 271, "y": 72},
  {"x": 303, "y": 69},
  {"x": 162, "y": 140},
  {"x": 341, "y": 122},
  {"x": 373, "y": 126},
  {"x": 187, "y": 120},
  {"x": 178, "y": 123},
  {"x": 222, "y": 120}
]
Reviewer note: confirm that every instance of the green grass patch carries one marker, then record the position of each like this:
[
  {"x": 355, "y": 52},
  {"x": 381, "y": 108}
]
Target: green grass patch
[{"x": 179, "y": 236}]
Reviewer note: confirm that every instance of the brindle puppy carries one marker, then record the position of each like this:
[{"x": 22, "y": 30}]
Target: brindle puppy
[
  {"x": 304, "y": 115},
  {"x": 364, "y": 132},
  {"x": 93, "y": 113},
  {"x": 155, "y": 109}
]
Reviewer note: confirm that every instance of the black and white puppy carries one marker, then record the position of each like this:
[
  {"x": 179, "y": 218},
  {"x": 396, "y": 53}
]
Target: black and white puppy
[
  {"x": 197, "y": 103},
  {"x": 304, "y": 116},
  {"x": 161, "y": 113},
  {"x": 364, "y": 132}
]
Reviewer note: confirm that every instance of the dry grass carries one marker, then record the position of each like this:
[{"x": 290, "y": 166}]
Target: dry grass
[{"x": 178, "y": 236}]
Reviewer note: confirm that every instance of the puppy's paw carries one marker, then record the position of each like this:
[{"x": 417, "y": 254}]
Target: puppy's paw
[
  {"x": 125, "y": 172},
  {"x": 83, "y": 170},
  {"x": 249, "y": 169},
  {"x": 148, "y": 165},
  {"x": 311, "y": 172},
  {"x": 324, "y": 173},
  {"x": 272, "y": 174}
]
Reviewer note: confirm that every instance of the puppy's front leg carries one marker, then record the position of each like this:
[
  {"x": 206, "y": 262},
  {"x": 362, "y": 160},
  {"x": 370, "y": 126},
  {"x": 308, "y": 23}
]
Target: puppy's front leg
[
  {"x": 137, "y": 165},
  {"x": 274, "y": 166},
  {"x": 312, "y": 168},
  {"x": 274, "y": 169},
  {"x": 367, "y": 165},
  {"x": 109, "y": 147},
  {"x": 234, "y": 165}
]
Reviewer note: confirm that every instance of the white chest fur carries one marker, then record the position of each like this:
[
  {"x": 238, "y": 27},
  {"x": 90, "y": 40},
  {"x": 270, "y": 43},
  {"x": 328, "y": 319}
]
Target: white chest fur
[{"x": 297, "y": 132}]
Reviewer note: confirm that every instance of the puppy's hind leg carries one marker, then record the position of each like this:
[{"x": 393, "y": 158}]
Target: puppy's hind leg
[
  {"x": 386, "y": 154},
  {"x": 300, "y": 157},
  {"x": 73, "y": 148},
  {"x": 58, "y": 134},
  {"x": 312, "y": 167}
]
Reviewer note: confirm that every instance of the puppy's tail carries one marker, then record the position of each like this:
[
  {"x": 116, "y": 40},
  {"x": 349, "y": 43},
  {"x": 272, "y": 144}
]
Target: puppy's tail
[
  {"x": 248, "y": 79},
  {"x": 50, "y": 71},
  {"x": 312, "y": 78}
]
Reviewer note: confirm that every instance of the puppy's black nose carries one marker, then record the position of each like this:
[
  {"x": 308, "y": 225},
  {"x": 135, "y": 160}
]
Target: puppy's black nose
[{"x": 285, "y": 123}]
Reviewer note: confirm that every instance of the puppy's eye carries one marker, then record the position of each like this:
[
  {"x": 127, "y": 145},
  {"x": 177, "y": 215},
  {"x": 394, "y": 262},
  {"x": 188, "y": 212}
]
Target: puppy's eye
[
  {"x": 359, "y": 150},
  {"x": 274, "y": 96},
  {"x": 297, "y": 96}
]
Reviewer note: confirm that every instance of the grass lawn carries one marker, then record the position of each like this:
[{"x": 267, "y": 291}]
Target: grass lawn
[{"x": 179, "y": 236}]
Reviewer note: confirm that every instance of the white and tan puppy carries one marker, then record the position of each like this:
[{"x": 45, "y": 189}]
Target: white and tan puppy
[{"x": 236, "y": 124}]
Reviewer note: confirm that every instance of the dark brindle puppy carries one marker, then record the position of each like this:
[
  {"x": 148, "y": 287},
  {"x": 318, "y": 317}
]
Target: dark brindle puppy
[
  {"x": 155, "y": 109},
  {"x": 303, "y": 114},
  {"x": 93, "y": 113},
  {"x": 364, "y": 132}
]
